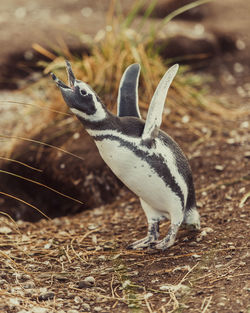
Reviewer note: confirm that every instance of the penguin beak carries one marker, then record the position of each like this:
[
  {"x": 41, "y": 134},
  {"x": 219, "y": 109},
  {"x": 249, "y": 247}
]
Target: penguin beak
[
  {"x": 71, "y": 78},
  {"x": 59, "y": 83}
]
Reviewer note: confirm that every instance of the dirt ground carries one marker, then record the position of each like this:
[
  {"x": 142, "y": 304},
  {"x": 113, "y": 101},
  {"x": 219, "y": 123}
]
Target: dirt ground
[{"x": 79, "y": 263}]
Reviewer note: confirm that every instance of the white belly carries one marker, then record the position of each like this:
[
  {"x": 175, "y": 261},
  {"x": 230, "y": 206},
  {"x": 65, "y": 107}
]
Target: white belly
[{"x": 138, "y": 176}]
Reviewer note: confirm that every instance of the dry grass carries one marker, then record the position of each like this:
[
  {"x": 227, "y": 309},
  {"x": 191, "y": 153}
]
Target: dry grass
[{"x": 116, "y": 47}]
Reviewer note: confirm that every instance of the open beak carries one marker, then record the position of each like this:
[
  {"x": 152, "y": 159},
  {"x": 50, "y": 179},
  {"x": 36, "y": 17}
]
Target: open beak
[{"x": 71, "y": 78}]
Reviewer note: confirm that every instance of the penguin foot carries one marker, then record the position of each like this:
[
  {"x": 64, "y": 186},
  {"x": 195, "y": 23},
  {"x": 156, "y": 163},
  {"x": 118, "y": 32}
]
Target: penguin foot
[
  {"x": 142, "y": 243},
  {"x": 163, "y": 244},
  {"x": 169, "y": 240}
]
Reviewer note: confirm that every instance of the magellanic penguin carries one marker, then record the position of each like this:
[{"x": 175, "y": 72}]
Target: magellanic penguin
[{"x": 143, "y": 157}]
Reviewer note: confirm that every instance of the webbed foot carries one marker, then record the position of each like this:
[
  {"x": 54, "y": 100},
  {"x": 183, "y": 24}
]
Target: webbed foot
[{"x": 142, "y": 243}]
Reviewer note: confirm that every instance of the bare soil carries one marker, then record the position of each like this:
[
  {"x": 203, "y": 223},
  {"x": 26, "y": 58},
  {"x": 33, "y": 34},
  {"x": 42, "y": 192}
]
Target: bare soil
[{"x": 44, "y": 264}]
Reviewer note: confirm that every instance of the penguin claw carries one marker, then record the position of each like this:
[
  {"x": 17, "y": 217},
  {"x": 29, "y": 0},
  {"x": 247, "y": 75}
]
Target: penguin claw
[
  {"x": 163, "y": 245},
  {"x": 140, "y": 244}
]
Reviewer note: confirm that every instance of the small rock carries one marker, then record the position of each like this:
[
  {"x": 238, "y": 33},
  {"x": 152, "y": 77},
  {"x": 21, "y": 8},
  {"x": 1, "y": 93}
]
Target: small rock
[
  {"x": 204, "y": 233},
  {"x": 76, "y": 136},
  {"x": 108, "y": 246},
  {"x": 13, "y": 302},
  {"x": 148, "y": 295},
  {"x": 185, "y": 119},
  {"x": 29, "y": 284},
  {"x": 78, "y": 299},
  {"x": 2, "y": 282},
  {"x": 231, "y": 141},
  {"x": 240, "y": 44},
  {"x": 5, "y": 230},
  {"x": 97, "y": 309},
  {"x": 238, "y": 67},
  {"x": 196, "y": 256},
  {"x": 133, "y": 306},
  {"x": 92, "y": 226},
  {"x": 102, "y": 257},
  {"x": 87, "y": 282},
  {"x": 90, "y": 248},
  {"x": 126, "y": 284},
  {"x": 61, "y": 277},
  {"x": 73, "y": 311},
  {"x": 228, "y": 197},
  {"x": 46, "y": 296},
  {"x": 245, "y": 124},
  {"x": 47, "y": 245},
  {"x": 86, "y": 307},
  {"x": 219, "y": 168},
  {"x": 247, "y": 154}
]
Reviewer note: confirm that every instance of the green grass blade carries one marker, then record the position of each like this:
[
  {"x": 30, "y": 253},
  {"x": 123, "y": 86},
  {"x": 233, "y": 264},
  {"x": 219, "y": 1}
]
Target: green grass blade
[{"x": 183, "y": 9}]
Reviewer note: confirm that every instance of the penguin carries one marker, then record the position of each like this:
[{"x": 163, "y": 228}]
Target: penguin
[{"x": 145, "y": 158}]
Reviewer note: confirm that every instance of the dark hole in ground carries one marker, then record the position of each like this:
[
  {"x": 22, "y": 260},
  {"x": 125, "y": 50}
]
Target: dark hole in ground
[
  {"x": 19, "y": 71},
  {"x": 88, "y": 180}
]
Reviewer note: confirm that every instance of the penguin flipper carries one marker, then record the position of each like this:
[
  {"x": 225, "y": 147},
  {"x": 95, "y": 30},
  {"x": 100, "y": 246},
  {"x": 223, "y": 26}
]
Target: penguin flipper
[
  {"x": 127, "y": 102},
  {"x": 154, "y": 116}
]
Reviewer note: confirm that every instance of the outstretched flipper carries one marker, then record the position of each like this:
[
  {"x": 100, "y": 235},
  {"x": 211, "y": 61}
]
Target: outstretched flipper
[
  {"x": 127, "y": 102},
  {"x": 154, "y": 116}
]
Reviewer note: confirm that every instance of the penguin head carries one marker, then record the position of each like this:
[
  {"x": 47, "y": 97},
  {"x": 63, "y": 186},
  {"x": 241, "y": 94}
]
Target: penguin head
[{"x": 80, "y": 97}]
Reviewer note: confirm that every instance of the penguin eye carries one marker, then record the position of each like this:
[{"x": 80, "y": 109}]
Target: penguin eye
[{"x": 83, "y": 92}]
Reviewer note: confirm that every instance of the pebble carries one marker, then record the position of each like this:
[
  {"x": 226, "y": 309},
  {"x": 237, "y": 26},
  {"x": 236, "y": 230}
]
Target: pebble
[
  {"x": 245, "y": 124},
  {"x": 97, "y": 309},
  {"x": 102, "y": 258},
  {"x": 196, "y": 256},
  {"x": 238, "y": 67},
  {"x": 78, "y": 299},
  {"x": 61, "y": 277},
  {"x": 29, "y": 284},
  {"x": 126, "y": 284},
  {"x": 76, "y": 136},
  {"x": 87, "y": 282},
  {"x": 86, "y": 307},
  {"x": 5, "y": 230},
  {"x": 240, "y": 44},
  {"x": 247, "y": 154},
  {"x": 204, "y": 233},
  {"x": 219, "y": 168},
  {"x": 2, "y": 282},
  {"x": 13, "y": 302},
  {"x": 46, "y": 296},
  {"x": 148, "y": 295},
  {"x": 92, "y": 226}
]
